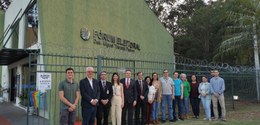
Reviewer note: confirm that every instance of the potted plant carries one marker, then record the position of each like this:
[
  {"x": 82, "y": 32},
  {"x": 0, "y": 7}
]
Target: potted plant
[{"x": 24, "y": 101}]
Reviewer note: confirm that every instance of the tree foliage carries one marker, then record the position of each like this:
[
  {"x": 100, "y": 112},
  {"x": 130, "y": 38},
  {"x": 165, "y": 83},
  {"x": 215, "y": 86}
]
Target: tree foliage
[
  {"x": 238, "y": 40},
  {"x": 216, "y": 31}
]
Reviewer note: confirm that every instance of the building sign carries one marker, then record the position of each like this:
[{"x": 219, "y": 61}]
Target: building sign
[
  {"x": 111, "y": 41},
  {"x": 44, "y": 81},
  {"x": 84, "y": 34}
]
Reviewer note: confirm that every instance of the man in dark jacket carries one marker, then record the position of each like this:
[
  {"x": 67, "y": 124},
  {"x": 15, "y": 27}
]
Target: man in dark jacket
[
  {"x": 142, "y": 92},
  {"x": 106, "y": 93},
  {"x": 90, "y": 93},
  {"x": 130, "y": 95}
]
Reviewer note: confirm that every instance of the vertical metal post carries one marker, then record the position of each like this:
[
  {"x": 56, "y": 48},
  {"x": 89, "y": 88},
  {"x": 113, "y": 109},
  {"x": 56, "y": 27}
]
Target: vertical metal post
[
  {"x": 28, "y": 91},
  {"x": 134, "y": 68},
  {"x": 232, "y": 89},
  {"x": 258, "y": 84},
  {"x": 256, "y": 55},
  {"x": 99, "y": 66}
]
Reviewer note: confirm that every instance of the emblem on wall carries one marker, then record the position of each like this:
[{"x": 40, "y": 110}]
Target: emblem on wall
[{"x": 84, "y": 34}]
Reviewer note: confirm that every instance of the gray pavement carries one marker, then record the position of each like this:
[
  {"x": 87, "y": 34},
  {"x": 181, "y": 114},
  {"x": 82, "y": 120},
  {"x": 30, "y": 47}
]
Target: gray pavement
[{"x": 18, "y": 116}]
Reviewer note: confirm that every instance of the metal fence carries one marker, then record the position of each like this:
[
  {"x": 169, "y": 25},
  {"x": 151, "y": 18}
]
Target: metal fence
[
  {"x": 57, "y": 64},
  {"x": 239, "y": 81}
]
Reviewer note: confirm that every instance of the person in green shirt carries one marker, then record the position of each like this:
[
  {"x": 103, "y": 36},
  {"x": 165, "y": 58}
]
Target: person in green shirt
[
  {"x": 186, "y": 94},
  {"x": 69, "y": 97}
]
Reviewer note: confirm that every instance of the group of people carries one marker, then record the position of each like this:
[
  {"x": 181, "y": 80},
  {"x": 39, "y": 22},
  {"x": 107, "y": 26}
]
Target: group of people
[{"x": 139, "y": 99}]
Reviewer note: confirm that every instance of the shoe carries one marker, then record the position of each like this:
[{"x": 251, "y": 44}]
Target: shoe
[
  {"x": 215, "y": 119},
  {"x": 172, "y": 120},
  {"x": 194, "y": 116},
  {"x": 163, "y": 121},
  {"x": 210, "y": 120},
  {"x": 197, "y": 117},
  {"x": 204, "y": 119},
  {"x": 185, "y": 116},
  {"x": 181, "y": 118},
  {"x": 157, "y": 121},
  {"x": 224, "y": 120}
]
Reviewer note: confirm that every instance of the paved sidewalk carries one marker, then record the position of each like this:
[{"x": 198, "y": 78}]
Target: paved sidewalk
[{"x": 12, "y": 115}]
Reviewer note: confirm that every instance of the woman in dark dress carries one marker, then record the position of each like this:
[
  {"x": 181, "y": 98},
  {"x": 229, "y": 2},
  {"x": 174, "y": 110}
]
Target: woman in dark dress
[{"x": 194, "y": 97}]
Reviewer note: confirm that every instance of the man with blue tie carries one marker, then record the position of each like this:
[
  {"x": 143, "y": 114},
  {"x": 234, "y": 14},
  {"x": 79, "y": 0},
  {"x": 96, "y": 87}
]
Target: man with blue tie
[
  {"x": 106, "y": 93},
  {"x": 131, "y": 96},
  {"x": 90, "y": 93}
]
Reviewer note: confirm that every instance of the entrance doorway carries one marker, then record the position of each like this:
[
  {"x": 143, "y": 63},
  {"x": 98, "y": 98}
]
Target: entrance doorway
[{"x": 14, "y": 84}]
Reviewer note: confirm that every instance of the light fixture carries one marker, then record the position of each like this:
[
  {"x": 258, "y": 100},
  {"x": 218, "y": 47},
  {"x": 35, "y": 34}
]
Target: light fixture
[{"x": 235, "y": 97}]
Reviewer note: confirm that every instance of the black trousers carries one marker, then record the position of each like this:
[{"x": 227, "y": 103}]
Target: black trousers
[
  {"x": 129, "y": 108},
  {"x": 88, "y": 115},
  {"x": 140, "y": 106},
  {"x": 219, "y": 110},
  {"x": 102, "y": 114},
  {"x": 195, "y": 104}
]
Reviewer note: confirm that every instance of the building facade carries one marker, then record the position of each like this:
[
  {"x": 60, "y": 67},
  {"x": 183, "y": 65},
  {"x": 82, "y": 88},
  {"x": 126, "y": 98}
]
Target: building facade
[{"x": 122, "y": 29}]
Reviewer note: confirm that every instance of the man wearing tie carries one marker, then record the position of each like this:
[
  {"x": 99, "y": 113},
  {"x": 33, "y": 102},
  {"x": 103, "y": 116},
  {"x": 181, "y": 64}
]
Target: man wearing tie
[
  {"x": 106, "y": 93},
  {"x": 142, "y": 91},
  {"x": 130, "y": 97},
  {"x": 90, "y": 93}
]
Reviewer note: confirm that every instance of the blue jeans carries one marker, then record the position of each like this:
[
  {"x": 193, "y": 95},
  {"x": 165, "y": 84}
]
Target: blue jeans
[
  {"x": 206, "y": 105},
  {"x": 186, "y": 105},
  {"x": 179, "y": 102},
  {"x": 155, "y": 110},
  {"x": 167, "y": 99}
]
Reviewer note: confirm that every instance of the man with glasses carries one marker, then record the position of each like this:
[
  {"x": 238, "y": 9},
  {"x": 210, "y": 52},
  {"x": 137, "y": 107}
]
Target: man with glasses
[
  {"x": 217, "y": 90},
  {"x": 90, "y": 92},
  {"x": 69, "y": 96},
  {"x": 106, "y": 93},
  {"x": 167, "y": 95}
]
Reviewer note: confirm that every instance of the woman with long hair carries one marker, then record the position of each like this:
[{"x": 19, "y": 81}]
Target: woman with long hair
[
  {"x": 194, "y": 96},
  {"x": 117, "y": 100},
  {"x": 151, "y": 94},
  {"x": 157, "y": 97}
]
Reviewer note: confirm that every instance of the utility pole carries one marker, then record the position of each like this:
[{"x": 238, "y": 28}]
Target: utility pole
[{"x": 256, "y": 55}]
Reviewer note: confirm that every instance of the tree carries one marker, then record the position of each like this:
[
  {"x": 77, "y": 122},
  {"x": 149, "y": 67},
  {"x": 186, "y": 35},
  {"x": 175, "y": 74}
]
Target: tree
[
  {"x": 202, "y": 31},
  {"x": 242, "y": 33},
  {"x": 163, "y": 10},
  {"x": 170, "y": 12},
  {"x": 238, "y": 34}
]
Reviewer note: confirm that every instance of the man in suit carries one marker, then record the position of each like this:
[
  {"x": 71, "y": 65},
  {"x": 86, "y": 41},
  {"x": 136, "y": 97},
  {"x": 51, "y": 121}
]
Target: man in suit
[
  {"x": 130, "y": 97},
  {"x": 106, "y": 93},
  {"x": 90, "y": 93},
  {"x": 142, "y": 92}
]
